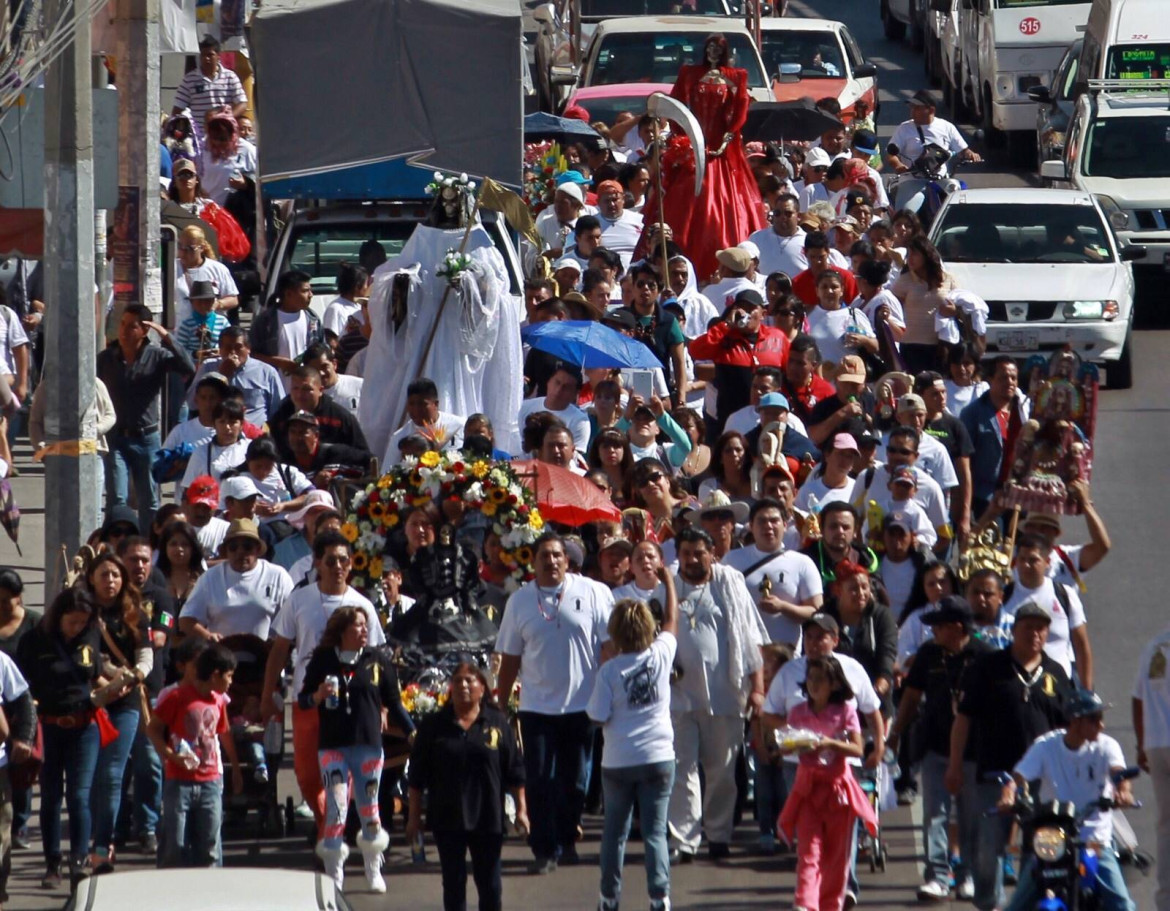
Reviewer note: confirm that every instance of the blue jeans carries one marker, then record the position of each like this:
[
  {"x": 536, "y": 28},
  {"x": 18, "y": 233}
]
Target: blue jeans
[
  {"x": 111, "y": 766},
  {"x": 649, "y": 786},
  {"x": 936, "y": 808},
  {"x": 128, "y": 461},
  {"x": 192, "y": 818},
  {"x": 990, "y": 845},
  {"x": 148, "y": 783},
  {"x": 771, "y": 792},
  {"x": 1112, "y": 895},
  {"x": 557, "y": 752},
  {"x": 21, "y": 810},
  {"x": 68, "y": 770}
]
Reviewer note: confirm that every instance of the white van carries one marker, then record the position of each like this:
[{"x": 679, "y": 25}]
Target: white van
[{"x": 1126, "y": 39}]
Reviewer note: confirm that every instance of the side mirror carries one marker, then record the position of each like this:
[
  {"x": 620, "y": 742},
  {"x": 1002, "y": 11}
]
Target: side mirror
[
  {"x": 865, "y": 71},
  {"x": 563, "y": 75},
  {"x": 1053, "y": 170},
  {"x": 1040, "y": 93},
  {"x": 1131, "y": 254}
]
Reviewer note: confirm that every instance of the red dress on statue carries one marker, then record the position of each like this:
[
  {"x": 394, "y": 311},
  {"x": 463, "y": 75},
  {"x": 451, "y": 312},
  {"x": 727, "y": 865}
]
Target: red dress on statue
[{"x": 728, "y": 208}]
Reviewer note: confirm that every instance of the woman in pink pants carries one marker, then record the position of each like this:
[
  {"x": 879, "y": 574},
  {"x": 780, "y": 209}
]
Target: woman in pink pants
[{"x": 826, "y": 799}]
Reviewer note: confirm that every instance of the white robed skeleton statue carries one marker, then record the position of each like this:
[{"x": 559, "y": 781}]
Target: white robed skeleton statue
[{"x": 475, "y": 350}]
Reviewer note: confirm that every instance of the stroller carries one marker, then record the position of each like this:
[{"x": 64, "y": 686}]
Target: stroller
[
  {"x": 879, "y": 788},
  {"x": 260, "y": 747}
]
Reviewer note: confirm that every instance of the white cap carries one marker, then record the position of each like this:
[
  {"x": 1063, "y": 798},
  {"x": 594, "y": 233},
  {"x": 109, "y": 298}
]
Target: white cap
[
  {"x": 239, "y": 487},
  {"x": 572, "y": 190},
  {"x": 752, "y": 250},
  {"x": 567, "y": 262},
  {"x": 817, "y": 158}
]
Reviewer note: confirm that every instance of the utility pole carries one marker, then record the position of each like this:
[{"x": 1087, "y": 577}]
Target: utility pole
[
  {"x": 71, "y": 472},
  {"x": 136, "y": 24}
]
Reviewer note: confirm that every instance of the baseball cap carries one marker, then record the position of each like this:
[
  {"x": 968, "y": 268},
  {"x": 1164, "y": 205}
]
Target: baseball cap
[
  {"x": 620, "y": 317},
  {"x": 911, "y": 402},
  {"x": 898, "y": 520},
  {"x": 567, "y": 262},
  {"x": 720, "y": 502},
  {"x": 845, "y": 441},
  {"x": 750, "y": 248},
  {"x": 824, "y": 621},
  {"x": 1085, "y": 702},
  {"x": 851, "y": 369},
  {"x": 243, "y": 528},
  {"x": 573, "y": 191},
  {"x": 239, "y": 487},
  {"x": 903, "y": 474},
  {"x": 1032, "y": 608},
  {"x": 773, "y": 400},
  {"x": 922, "y": 98},
  {"x": 735, "y": 258},
  {"x": 1046, "y": 519},
  {"x": 865, "y": 142},
  {"x": 817, "y": 158},
  {"x": 749, "y": 296},
  {"x": 203, "y": 491},
  {"x": 615, "y": 541},
  {"x": 847, "y": 223},
  {"x": 183, "y": 165},
  {"x": 951, "y": 609}
]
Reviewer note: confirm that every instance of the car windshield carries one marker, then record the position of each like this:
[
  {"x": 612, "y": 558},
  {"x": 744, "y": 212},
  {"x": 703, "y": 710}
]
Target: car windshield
[
  {"x": 321, "y": 249},
  {"x": 608, "y": 9},
  {"x": 646, "y": 57},
  {"x": 806, "y": 55},
  {"x": 1017, "y": 233},
  {"x": 1138, "y": 61},
  {"x": 1128, "y": 147}
]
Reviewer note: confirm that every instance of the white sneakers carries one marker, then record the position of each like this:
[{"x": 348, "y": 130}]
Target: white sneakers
[
  {"x": 933, "y": 892},
  {"x": 334, "y": 859},
  {"x": 372, "y": 850}
]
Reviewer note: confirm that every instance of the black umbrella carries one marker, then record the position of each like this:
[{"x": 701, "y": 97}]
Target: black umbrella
[
  {"x": 792, "y": 121},
  {"x": 542, "y": 127}
]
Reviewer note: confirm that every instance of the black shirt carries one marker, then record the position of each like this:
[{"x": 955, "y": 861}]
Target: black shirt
[
  {"x": 826, "y": 408},
  {"x": 8, "y": 644},
  {"x": 336, "y": 423},
  {"x": 126, "y": 642},
  {"x": 134, "y": 387},
  {"x": 1004, "y": 723},
  {"x": 161, "y": 611},
  {"x": 936, "y": 674},
  {"x": 364, "y": 687},
  {"x": 466, "y": 772},
  {"x": 951, "y": 432},
  {"x": 60, "y": 674}
]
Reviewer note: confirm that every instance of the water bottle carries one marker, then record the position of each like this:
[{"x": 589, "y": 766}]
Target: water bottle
[
  {"x": 333, "y": 700},
  {"x": 274, "y": 729},
  {"x": 418, "y": 850},
  {"x": 187, "y": 755}
]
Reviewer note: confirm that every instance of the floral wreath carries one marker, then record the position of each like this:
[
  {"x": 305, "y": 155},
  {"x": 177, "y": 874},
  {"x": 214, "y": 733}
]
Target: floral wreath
[
  {"x": 462, "y": 183},
  {"x": 492, "y": 489}
]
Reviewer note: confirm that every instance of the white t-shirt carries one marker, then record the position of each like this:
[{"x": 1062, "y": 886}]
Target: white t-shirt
[
  {"x": 1058, "y": 571},
  {"x": 959, "y": 397},
  {"x": 192, "y": 431},
  {"x": 1152, "y": 687},
  {"x": 928, "y": 495},
  {"x": 780, "y": 254},
  {"x": 273, "y": 488},
  {"x": 631, "y": 698},
  {"x": 882, "y": 298},
  {"x": 794, "y": 578},
  {"x": 912, "y": 634},
  {"x": 828, "y": 327},
  {"x": 12, "y": 336},
  {"x": 814, "y": 492},
  {"x": 337, "y": 314},
  {"x": 747, "y": 419},
  {"x": 573, "y": 417},
  {"x": 213, "y": 459},
  {"x": 722, "y": 293},
  {"x": 302, "y": 620},
  {"x": 217, "y": 175},
  {"x": 228, "y": 603},
  {"x": 631, "y": 590},
  {"x": 899, "y": 581},
  {"x": 294, "y": 333},
  {"x": 1059, "y": 645},
  {"x": 558, "y": 638},
  {"x": 787, "y": 692},
  {"x": 1078, "y": 776},
  {"x": 347, "y": 392},
  {"x": 447, "y": 431},
  {"x": 908, "y": 138},
  {"x": 818, "y": 192},
  {"x": 13, "y": 686},
  {"x": 924, "y": 532},
  {"x": 211, "y": 535}
]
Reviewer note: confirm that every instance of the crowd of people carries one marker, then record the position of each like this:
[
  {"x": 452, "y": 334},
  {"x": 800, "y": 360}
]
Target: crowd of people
[{"x": 796, "y": 590}]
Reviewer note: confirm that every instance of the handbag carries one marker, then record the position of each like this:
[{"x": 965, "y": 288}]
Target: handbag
[
  {"x": 143, "y": 699},
  {"x": 107, "y": 733},
  {"x": 23, "y": 775}
]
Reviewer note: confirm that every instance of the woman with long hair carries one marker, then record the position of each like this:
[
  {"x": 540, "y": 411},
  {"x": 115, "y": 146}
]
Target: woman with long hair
[
  {"x": 655, "y": 490},
  {"x": 838, "y": 327},
  {"x": 731, "y": 468},
  {"x": 163, "y": 516},
  {"x": 353, "y": 687},
  {"x": 125, "y": 644},
  {"x": 464, "y": 757},
  {"x": 610, "y": 452},
  {"x": 698, "y": 460},
  {"x": 922, "y": 288},
  {"x": 180, "y": 560}
]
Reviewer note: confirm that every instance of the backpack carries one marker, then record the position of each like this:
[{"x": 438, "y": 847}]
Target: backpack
[{"x": 1062, "y": 597}]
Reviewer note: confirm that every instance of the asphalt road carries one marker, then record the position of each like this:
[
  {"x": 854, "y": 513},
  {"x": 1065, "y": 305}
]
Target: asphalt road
[{"x": 1124, "y": 605}]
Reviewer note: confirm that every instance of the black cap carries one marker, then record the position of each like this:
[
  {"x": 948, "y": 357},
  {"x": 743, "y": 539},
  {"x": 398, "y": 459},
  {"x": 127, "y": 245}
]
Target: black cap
[
  {"x": 824, "y": 621},
  {"x": 865, "y": 141},
  {"x": 621, "y": 318},
  {"x": 749, "y": 296},
  {"x": 924, "y": 98},
  {"x": 951, "y": 609}
]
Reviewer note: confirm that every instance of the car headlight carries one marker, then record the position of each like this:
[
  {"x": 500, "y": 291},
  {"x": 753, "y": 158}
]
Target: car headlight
[
  {"x": 1118, "y": 217},
  {"x": 1048, "y": 844},
  {"x": 1107, "y": 310}
]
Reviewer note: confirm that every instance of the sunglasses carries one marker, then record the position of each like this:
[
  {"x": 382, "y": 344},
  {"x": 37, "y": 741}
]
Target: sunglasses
[
  {"x": 186, "y": 175},
  {"x": 652, "y": 478},
  {"x": 779, "y": 213},
  {"x": 336, "y": 561},
  {"x": 653, "y": 286},
  {"x": 246, "y": 544},
  {"x": 901, "y": 450}
]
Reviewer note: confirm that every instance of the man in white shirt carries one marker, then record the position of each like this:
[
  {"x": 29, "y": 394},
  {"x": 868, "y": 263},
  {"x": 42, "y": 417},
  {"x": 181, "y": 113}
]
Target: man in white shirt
[
  {"x": 240, "y": 595},
  {"x": 300, "y": 623},
  {"x": 423, "y": 417},
  {"x": 209, "y": 86},
  {"x": 933, "y": 457},
  {"x": 735, "y": 264},
  {"x": 551, "y": 636},
  {"x": 1076, "y": 765},
  {"x": 828, "y": 190},
  {"x": 912, "y": 136},
  {"x": 344, "y": 390},
  {"x": 352, "y": 282},
  {"x": 1068, "y": 634},
  {"x": 560, "y": 400},
  {"x": 620, "y": 230},
  {"x": 782, "y": 246},
  {"x": 555, "y": 224},
  {"x": 785, "y": 584}
]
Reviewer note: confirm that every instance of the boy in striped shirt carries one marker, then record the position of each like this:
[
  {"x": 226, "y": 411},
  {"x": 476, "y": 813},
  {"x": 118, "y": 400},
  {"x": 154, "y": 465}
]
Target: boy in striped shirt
[{"x": 198, "y": 334}]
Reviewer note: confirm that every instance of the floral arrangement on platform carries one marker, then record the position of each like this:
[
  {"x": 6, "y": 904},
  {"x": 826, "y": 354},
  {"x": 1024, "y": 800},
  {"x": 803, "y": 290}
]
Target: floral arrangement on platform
[
  {"x": 543, "y": 162},
  {"x": 457, "y": 485},
  {"x": 421, "y": 700},
  {"x": 454, "y": 265}
]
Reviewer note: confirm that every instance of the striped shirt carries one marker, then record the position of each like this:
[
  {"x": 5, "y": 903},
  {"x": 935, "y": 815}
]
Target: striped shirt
[
  {"x": 188, "y": 332},
  {"x": 201, "y": 94}
]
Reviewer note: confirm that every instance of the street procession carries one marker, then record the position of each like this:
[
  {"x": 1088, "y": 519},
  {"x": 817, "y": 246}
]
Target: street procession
[{"x": 583, "y": 455}]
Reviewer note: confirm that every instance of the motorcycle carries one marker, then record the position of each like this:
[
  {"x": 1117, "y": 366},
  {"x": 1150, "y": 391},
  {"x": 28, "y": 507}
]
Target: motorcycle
[
  {"x": 925, "y": 187},
  {"x": 1066, "y": 867}
]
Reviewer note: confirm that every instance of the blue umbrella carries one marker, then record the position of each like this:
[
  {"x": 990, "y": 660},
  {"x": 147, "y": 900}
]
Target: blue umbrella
[
  {"x": 541, "y": 127},
  {"x": 589, "y": 344}
]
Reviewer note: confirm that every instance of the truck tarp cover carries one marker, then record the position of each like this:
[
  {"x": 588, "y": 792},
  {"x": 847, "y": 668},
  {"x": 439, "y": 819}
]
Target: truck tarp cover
[{"x": 346, "y": 83}]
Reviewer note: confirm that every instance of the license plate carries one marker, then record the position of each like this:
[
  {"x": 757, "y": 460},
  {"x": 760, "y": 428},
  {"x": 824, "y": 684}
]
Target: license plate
[{"x": 1019, "y": 341}]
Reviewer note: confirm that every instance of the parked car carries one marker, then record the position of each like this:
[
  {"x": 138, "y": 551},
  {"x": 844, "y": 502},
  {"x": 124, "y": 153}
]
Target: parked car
[
  {"x": 558, "y": 62},
  {"x": 817, "y": 58},
  {"x": 1050, "y": 269},
  {"x": 1057, "y": 102},
  {"x": 225, "y": 889}
]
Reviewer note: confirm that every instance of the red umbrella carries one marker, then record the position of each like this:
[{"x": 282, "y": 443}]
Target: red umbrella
[{"x": 564, "y": 497}]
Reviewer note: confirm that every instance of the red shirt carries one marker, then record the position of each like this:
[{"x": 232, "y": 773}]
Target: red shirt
[
  {"x": 802, "y": 401},
  {"x": 804, "y": 286},
  {"x": 720, "y": 345},
  {"x": 199, "y": 720}
]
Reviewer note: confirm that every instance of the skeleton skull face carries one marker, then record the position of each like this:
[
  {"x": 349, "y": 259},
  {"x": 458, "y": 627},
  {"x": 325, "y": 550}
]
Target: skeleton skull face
[
  {"x": 713, "y": 51},
  {"x": 449, "y": 197}
]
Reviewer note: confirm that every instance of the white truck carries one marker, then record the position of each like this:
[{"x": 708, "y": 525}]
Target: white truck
[{"x": 1007, "y": 47}]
